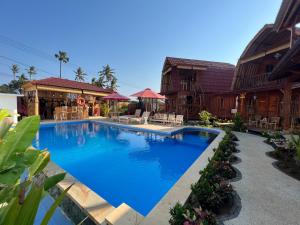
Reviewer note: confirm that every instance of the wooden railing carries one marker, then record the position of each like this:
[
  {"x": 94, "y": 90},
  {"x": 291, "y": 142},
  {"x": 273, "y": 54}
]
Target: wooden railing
[{"x": 255, "y": 82}]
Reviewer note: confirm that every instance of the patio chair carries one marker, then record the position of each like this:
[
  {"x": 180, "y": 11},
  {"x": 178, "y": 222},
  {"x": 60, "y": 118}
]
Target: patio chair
[
  {"x": 171, "y": 119},
  {"x": 144, "y": 117},
  {"x": 56, "y": 113},
  {"x": 263, "y": 123},
  {"x": 64, "y": 113},
  {"x": 159, "y": 117},
  {"x": 255, "y": 121},
  {"x": 126, "y": 118},
  {"x": 179, "y": 120},
  {"x": 74, "y": 113},
  {"x": 274, "y": 121},
  {"x": 80, "y": 112}
]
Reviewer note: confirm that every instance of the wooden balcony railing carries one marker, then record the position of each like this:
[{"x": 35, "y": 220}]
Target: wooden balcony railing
[{"x": 256, "y": 82}]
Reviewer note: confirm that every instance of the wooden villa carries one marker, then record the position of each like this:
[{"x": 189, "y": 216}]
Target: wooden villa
[
  {"x": 267, "y": 73},
  {"x": 191, "y": 86},
  {"x": 45, "y": 97}
]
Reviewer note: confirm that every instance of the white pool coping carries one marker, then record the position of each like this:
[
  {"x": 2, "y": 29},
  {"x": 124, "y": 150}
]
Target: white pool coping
[{"x": 101, "y": 212}]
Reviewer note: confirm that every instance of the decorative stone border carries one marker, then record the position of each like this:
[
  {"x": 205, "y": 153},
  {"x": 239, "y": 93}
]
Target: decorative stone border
[{"x": 87, "y": 202}]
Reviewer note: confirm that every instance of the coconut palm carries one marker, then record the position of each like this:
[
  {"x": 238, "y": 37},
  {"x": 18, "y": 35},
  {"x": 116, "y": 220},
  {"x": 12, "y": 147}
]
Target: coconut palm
[
  {"x": 107, "y": 77},
  {"x": 31, "y": 71},
  {"x": 15, "y": 69},
  {"x": 79, "y": 74},
  {"x": 62, "y": 57}
]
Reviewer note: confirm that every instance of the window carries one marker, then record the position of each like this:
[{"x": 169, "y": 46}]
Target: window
[{"x": 184, "y": 85}]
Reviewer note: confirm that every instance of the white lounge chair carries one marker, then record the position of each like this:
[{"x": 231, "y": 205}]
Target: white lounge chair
[
  {"x": 126, "y": 118},
  {"x": 171, "y": 119},
  {"x": 179, "y": 120},
  {"x": 140, "y": 119},
  {"x": 160, "y": 118}
]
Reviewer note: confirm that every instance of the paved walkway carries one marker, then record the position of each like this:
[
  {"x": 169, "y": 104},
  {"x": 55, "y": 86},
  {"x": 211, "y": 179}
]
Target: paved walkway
[{"x": 268, "y": 196}]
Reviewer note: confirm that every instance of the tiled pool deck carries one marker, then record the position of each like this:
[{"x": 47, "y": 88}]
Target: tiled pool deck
[{"x": 101, "y": 212}]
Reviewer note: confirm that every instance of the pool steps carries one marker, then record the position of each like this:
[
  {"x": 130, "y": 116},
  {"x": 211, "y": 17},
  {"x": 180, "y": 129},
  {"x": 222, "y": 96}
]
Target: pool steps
[{"x": 91, "y": 204}]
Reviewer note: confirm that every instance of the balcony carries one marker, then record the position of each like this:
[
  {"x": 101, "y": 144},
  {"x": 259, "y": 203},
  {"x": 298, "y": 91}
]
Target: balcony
[{"x": 256, "y": 82}]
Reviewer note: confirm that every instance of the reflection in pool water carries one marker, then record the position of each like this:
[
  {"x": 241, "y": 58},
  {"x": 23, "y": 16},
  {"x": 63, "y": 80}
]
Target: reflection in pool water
[{"x": 137, "y": 168}]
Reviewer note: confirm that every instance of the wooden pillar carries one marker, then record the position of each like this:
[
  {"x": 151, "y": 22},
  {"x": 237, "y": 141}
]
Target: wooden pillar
[
  {"x": 242, "y": 103},
  {"x": 36, "y": 103},
  {"x": 287, "y": 100}
]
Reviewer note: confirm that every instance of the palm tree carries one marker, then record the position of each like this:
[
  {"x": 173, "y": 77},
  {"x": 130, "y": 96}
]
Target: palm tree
[
  {"x": 107, "y": 77},
  {"x": 31, "y": 71},
  {"x": 79, "y": 74},
  {"x": 15, "y": 69},
  {"x": 62, "y": 57}
]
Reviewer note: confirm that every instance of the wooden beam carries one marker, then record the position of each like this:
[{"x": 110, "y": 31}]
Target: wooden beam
[
  {"x": 192, "y": 67},
  {"x": 167, "y": 71},
  {"x": 101, "y": 94},
  {"x": 263, "y": 54},
  {"x": 58, "y": 89}
]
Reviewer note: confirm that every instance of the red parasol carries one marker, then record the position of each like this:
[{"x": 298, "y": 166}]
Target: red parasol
[
  {"x": 148, "y": 93},
  {"x": 116, "y": 97}
]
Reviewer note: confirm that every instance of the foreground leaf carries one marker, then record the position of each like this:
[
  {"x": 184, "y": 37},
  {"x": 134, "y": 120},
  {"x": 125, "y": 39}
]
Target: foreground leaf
[{"x": 56, "y": 203}]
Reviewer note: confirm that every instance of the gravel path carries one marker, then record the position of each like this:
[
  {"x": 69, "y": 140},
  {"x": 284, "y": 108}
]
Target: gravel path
[{"x": 268, "y": 196}]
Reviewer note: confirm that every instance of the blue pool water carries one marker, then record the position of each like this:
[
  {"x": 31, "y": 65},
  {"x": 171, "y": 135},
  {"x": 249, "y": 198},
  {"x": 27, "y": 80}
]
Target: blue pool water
[{"x": 121, "y": 165}]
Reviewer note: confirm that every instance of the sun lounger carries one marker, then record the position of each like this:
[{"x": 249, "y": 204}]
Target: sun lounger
[
  {"x": 179, "y": 120},
  {"x": 140, "y": 119},
  {"x": 126, "y": 118},
  {"x": 160, "y": 118}
]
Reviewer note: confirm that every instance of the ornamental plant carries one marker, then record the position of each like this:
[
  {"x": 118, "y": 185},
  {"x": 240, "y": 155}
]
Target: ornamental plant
[
  {"x": 205, "y": 117},
  {"x": 238, "y": 123},
  {"x": 22, "y": 182}
]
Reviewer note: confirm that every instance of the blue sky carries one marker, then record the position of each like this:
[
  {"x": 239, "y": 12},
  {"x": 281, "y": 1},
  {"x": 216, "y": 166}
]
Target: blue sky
[{"x": 133, "y": 36}]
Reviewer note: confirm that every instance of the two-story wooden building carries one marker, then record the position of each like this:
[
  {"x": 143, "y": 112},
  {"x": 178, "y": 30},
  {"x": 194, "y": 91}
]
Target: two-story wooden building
[
  {"x": 267, "y": 73},
  {"x": 191, "y": 86}
]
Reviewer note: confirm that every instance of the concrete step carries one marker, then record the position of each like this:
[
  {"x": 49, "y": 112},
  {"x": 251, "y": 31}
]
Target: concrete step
[{"x": 123, "y": 215}]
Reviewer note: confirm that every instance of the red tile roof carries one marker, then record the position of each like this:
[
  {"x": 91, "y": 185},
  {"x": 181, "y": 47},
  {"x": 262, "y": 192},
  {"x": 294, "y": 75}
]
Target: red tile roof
[
  {"x": 217, "y": 78},
  {"x": 65, "y": 83},
  {"x": 194, "y": 62}
]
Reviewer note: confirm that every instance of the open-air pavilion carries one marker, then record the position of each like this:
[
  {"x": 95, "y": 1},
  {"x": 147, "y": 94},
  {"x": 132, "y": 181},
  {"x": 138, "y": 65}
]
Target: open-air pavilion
[{"x": 42, "y": 97}]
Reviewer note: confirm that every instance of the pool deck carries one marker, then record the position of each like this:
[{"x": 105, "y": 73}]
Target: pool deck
[
  {"x": 268, "y": 196},
  {"x": 101, "y": 212}
]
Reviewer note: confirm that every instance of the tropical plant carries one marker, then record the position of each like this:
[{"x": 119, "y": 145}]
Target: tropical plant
[
  {"x": 296, "y": 144},
  {"x": 15, "y": 69},
  {"x": 238, "y": 123},
  {"x": 14, "y": 86},
  {"x": 205, "y": 117},
  {"x": 31, "y": 71},
  {"x": 105, "y": 109},
  {"x": 79, "y": 74},
  {"x": 22, "y": 182},
  {"x": 63, "y": 58},
  {"x": 106, "y": 78}
]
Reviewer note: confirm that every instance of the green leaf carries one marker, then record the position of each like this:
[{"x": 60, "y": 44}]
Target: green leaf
[
  {"x": 19, "y": 139},
  {"x": 40, "y": 163},
  {"x": 56, "y": 203},
  {"x": 10, "y": 212},
  {"x": 52, "y": 181},
  {"x": 30, "y": 206},
  {"x": 3, "y": 114},
  {"x": 4, "y": 127}
]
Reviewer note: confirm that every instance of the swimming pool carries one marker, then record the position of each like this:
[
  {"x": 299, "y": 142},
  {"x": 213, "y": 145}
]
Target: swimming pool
[{"x": 123, "y": 165}]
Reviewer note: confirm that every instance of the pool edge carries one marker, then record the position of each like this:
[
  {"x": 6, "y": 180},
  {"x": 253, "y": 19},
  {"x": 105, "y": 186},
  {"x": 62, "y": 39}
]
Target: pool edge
[{"x": 84, "y": 197}]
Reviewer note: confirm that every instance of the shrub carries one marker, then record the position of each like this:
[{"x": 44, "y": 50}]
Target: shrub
[
  {"x": 238, "y": 123},
  {"x": 105, "y": 109},
  {"x": 211, "y": 192},
  {"x": 205, "y": 116}
]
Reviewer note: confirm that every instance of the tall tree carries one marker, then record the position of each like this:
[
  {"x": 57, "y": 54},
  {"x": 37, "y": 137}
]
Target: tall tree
[
  {"x": 63, "y": 58},
  {"x": 15, "y": 69},
  {"x": 31, "y": 71},
  {"x": 108, "y": 78},
  {"x": 79, "y": 74},
  {"x": 15, "y": 86}
]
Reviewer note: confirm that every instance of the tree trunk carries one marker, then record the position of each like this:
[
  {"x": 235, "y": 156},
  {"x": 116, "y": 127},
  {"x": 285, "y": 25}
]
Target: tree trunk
[{"x": 59, "y": 69}]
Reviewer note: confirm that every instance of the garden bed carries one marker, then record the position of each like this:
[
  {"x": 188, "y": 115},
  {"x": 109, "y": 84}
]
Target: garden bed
[{"x": 213, "y": 198}]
